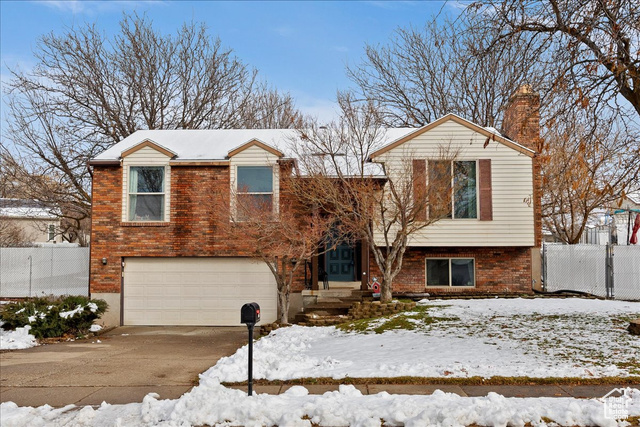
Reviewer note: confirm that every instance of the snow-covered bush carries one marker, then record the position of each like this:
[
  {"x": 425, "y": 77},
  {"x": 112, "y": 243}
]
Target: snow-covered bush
[{"x": 53, "y": 317}]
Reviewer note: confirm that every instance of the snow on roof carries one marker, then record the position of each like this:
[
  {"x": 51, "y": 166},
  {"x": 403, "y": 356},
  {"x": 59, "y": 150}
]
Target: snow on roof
[
  {"x": 25, "y": 208},
  {"x": 215, "y": 144},
  {"x": 634, "y": 197},
  {"x": 190, "y": 144}
]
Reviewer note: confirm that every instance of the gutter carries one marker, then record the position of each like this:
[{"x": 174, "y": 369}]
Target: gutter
[{"x": 108, "y": 162}]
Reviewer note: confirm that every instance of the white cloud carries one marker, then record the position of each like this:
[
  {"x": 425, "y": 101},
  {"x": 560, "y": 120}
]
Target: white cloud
[
  {"x": 284, "y": 30},
  {"x": 391, "y": 5},
  {"x": 325, "y": 110},
  {"x": 341, "y": 48},
  {"x": 92, "y": 8}
]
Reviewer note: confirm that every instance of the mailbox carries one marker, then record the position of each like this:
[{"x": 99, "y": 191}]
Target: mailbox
[{"x": 250, "y": 313}]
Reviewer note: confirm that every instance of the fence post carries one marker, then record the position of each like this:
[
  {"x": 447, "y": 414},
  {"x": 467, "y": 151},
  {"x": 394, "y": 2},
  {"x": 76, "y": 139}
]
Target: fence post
[
  {"x": 609, "y": 271},
  {"x": 544, "y": 267},
  {"x": 30, "y": 272}
]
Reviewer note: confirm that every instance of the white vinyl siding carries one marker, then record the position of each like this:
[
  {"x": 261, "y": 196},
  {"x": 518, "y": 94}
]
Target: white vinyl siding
[
  {"x": 256, "y": 156},
  {"x": 196, "y": 291},
  {"x": 512, "y": 189},
  {"x": 146, "y": 156}
]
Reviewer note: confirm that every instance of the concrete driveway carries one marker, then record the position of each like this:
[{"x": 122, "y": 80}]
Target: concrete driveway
[{"x": 120, "y": 366}]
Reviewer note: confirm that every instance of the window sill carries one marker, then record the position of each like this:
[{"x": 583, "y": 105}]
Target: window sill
[
  {"x": 144, "y": 224},
  {"x": 451, "y": 287}
]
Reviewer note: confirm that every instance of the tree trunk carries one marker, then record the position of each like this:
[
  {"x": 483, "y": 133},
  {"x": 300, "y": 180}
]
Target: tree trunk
[
  {"x": 283, "y": 306},
  {"x": 385, "y": 289}
]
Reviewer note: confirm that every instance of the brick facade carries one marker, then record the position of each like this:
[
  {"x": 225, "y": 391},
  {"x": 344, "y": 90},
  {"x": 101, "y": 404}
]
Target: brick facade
[
  {"x": 497, "y": 269},
  {"x": 193, "y": 230}
]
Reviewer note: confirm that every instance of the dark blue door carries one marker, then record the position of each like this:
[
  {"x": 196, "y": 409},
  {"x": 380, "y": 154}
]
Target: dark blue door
[{"x": 340, "y": 264}]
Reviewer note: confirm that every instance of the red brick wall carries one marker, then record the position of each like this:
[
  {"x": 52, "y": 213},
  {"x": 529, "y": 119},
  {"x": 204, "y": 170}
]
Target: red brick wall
[
  {"x": 193, "y": 229},
  {"x": 497, "y": 269}
]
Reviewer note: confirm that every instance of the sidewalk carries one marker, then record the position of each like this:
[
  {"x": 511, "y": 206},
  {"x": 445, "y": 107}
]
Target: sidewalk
[
  {"x": 578, "y": 391},
  {"x": 80, "y": 396}
]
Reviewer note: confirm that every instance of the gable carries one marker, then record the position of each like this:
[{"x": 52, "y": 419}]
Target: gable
[
  {"x": 148, "y": 144},
  {"x": 484, "y": 133},
  {"x": 255, "y": 143}
]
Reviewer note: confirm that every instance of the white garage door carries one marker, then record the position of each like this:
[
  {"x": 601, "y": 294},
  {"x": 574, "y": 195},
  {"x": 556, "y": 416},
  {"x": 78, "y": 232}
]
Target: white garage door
[{"x": 196, "y": 291}]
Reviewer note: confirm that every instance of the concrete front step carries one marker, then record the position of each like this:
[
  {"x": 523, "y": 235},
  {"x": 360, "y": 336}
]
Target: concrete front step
[{"x": 344, "y": 285}]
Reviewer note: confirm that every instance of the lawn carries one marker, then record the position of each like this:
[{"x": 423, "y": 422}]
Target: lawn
[
  {"x": 538, "y": 338},
  {"x": 439, "y": 339}
]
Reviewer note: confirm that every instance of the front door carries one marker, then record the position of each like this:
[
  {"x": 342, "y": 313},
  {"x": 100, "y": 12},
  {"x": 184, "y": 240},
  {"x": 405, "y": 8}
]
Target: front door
[{"x": 340, "y": 264}]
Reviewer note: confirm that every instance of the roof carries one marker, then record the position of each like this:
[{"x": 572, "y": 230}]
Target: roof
[
  {"x": 488, "y": 132},
  {"x": 209, "y": 144},
  {"x": 27, "y": 208},
  {"x": 634, "y": 197},
  {"x": 214, "y": 144},
  {"x": 219, "y": 144}
]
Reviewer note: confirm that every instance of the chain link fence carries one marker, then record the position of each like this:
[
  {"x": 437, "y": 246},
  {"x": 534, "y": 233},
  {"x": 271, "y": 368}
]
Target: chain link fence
[
  {"x": 608, "y": 271},
  {"x": 54, "y": 270}
]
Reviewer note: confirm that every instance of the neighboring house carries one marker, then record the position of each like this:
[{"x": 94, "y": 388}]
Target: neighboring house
[
  {"x": 30, "y": 221},
  {"x": 614, "y": 224},
  {"x": 158, "y": 257}
]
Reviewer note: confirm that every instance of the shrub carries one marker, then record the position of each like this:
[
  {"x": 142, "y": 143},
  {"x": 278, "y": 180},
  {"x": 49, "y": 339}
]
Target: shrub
[{"x": 53, "y": 317}]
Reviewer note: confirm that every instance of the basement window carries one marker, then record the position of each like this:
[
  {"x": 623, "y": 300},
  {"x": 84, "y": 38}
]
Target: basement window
[{"x": 450, "y": 272}]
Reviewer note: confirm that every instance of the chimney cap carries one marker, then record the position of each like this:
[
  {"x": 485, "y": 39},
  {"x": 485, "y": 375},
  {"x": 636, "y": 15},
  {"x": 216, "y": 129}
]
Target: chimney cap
[{"x": 524, "y": 89}]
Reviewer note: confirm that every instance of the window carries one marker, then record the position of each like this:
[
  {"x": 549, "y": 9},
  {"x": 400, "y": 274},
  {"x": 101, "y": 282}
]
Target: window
[
  {"x": 465, "y": 203},
  {"x": 450, "y": 272},
  {"x": 52, "y": 232},
  {"x": 146, "y": 193},
  {"x": 254, "y": 190},
  {"x": 452, "y": 189}
]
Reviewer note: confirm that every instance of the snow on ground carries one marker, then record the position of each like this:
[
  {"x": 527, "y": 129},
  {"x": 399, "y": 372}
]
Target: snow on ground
[
  {"x": 212, "y": 404},
  {"x": 456, "y": 338},
  {"x": 543, "y": 337},
  {"x": 18, "y": 339}
]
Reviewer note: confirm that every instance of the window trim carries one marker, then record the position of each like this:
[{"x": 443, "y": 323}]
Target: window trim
[
  {"x": 450, "y": 286},
  {"x": 51, "y": 232},
  {"x": 128, "y": 194}
]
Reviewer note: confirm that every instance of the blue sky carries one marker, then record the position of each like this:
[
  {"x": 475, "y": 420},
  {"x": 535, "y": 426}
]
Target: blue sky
[{"x": 299, "y": 47}]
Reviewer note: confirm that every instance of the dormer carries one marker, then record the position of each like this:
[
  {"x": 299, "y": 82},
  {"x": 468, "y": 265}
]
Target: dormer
[{"x": 146, "y": 183}]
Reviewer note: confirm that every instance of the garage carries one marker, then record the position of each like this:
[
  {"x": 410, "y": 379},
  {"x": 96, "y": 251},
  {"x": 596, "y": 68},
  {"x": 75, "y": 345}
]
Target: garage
[{"x": 195, "y": 291}]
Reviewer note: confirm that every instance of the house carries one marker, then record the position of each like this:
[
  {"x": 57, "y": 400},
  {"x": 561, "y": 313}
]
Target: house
[
  {"x": 29, "y": 222},
  {"x": 613, "y": 224},
  {"x": 159, "y": 258}
]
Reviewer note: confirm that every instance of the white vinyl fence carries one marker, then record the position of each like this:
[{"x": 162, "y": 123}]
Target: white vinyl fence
[
  {"x": 626, "y": 272},
  {"x": 602, "y": 270},
  {"x": 54, "y": 270}
]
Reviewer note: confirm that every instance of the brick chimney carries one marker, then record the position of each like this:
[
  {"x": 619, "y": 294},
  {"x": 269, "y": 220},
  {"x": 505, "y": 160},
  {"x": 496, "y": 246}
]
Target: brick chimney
[
  {"x": 521, "y": 124},
  {"x": 521, "y": 121}
]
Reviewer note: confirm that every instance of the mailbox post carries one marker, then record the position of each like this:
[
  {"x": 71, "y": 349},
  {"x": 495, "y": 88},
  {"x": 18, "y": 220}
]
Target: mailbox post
[{"x": 250, "y": 315}]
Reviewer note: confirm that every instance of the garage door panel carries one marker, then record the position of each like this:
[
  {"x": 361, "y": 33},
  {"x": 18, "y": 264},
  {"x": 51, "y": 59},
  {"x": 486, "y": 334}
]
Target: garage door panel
[{"x": 195, "y": 291}]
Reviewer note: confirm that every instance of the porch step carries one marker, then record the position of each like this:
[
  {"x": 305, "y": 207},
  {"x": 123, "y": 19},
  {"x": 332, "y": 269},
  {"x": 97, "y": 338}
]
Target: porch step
[
  {"x": 344, "y": 285},
  {"x": 328, "y": 306}
]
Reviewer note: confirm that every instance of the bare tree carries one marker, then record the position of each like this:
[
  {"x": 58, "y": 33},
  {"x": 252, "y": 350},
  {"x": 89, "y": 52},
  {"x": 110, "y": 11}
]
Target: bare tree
[
  {"x": 584, "y": 168},
  {"x": 11, "y": 235},
  {"x": 380, "y": 204},
  {"x": 284, "y": 238},
  {"x": 424, "y": 74},
  {"x": 88, "y": 91},
  {"x": 596, "y": 43}
]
